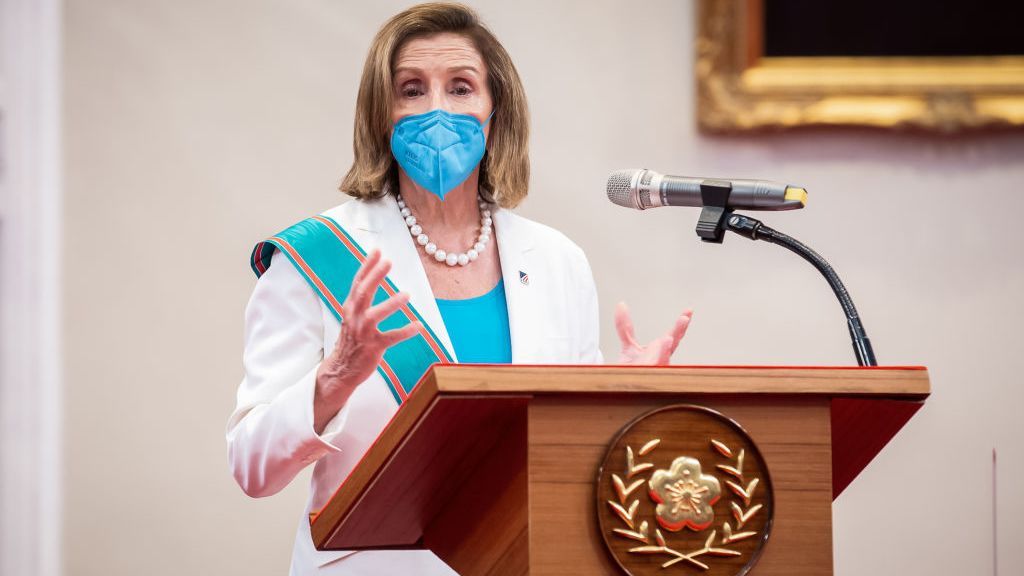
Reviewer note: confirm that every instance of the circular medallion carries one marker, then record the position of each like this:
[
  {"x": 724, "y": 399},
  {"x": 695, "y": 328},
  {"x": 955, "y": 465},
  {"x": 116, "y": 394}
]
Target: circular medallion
[{"x": 683, "y": 489}]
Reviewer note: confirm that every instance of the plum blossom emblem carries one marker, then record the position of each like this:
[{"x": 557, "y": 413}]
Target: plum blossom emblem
[
  {"x": 690, "y": 498},
  {"x": 684, "y": 495}
]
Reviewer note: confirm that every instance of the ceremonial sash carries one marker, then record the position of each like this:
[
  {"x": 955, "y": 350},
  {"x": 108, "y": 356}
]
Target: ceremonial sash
[{"x": 328, "y": 258}]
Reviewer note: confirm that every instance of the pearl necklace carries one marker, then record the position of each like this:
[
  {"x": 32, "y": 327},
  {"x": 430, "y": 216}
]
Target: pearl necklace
[{"x": 449, "y": 258}]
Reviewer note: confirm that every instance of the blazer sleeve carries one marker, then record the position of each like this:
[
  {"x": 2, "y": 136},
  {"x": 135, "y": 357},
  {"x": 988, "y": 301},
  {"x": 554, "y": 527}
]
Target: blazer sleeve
[{"x": 270, "y": 435}]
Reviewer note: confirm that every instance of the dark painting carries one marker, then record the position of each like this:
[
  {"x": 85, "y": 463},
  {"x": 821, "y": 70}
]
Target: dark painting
[{"x": 803, "y": 28}]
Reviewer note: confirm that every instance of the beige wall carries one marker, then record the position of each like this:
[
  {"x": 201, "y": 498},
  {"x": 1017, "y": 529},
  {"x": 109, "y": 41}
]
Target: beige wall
[{"x": 196, "y": 128}]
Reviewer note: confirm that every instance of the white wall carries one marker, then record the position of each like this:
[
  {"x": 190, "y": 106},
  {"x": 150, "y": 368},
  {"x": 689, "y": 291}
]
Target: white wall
[{"x": 196, "y": 128}]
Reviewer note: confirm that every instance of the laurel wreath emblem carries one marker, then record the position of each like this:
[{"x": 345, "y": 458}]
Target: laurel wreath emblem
[{"x": 638, "y": 473}]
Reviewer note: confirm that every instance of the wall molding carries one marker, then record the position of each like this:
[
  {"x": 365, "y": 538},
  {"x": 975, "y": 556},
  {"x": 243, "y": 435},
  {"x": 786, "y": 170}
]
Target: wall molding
[{"x": 30, "y": 288}]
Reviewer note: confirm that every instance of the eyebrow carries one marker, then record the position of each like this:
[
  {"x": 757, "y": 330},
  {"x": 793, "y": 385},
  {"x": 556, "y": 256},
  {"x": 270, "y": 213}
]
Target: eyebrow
[{"x": 469, "y": 67}]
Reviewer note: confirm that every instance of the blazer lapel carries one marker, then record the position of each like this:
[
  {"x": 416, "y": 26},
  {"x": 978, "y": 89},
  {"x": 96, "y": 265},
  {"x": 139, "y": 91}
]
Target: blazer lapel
[
  {"x": 381, "y": 219},
  {"x": 515, "y": 245}
]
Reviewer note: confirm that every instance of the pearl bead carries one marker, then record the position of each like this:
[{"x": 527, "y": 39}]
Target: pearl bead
[
  {"x": 416, "y": 230},
  {"x": 486, "y": 222},
  {"x": 410, "y": 220},
  {"x": 451, "y": 259},
  {"x": 405, "y": 212},
  {"x": 483, "y": 237},
  {"x": 487, "y": 213},
  {"x": 478, "y": 247},
  {"x": 440, "y": 255},
  {"x": 463, "y": 259},
  {"x": 430, "y": 248},
  {"x": 401, "y": 203},
  {"x": 422, "y": 239},
  {"x": 472, "y": 254}
]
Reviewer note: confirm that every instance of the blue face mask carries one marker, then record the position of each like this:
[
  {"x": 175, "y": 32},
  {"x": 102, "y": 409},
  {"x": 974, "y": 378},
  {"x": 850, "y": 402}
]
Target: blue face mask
[{"x": 438, "y": 149}]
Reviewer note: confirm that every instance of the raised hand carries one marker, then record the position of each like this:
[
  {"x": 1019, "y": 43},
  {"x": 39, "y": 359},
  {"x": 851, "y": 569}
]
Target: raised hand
[
  {"x": 361, "y": 344},
  {"x": 659, "y": 350}
]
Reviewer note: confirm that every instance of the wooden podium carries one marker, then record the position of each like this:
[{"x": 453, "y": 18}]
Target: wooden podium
[{"x": 493, "y": 468}]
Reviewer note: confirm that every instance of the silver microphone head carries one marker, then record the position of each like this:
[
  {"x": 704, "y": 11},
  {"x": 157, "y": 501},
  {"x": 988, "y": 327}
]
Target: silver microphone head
[
  {"x": 631, "y": 188},
  {"x": 622, "y": 188}
]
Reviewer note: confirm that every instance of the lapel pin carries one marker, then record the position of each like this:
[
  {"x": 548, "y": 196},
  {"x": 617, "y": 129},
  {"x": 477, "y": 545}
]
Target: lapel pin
[{"x": 524, "y": 278}]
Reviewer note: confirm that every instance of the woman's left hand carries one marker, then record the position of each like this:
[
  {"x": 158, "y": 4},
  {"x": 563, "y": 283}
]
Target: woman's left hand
[{"x": 659, "y": 350}]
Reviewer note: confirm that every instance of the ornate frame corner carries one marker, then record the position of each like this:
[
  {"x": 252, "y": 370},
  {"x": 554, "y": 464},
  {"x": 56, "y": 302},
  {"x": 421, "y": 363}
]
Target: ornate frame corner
[{"x": 738, "y": 90}]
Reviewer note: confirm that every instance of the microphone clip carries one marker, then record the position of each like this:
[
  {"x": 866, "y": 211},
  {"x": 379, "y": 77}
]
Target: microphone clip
[{"x": 712, "y": 223}]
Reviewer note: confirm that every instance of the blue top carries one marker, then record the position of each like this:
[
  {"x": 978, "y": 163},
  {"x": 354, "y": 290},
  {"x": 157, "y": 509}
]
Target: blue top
[{"x": 478, "y": 327}]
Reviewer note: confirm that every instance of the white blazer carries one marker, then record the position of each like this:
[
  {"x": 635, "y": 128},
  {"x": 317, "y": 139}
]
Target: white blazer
[{"x": 553, "y": 319}]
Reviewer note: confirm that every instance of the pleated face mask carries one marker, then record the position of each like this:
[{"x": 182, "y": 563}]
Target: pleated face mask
[{"x": 438, "y": 149}]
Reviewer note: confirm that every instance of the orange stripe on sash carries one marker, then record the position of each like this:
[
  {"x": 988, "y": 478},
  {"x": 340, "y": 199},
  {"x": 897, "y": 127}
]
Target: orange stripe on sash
[
  {"x": 297, "y": 258},
  {"x": 397, "y": 384}
]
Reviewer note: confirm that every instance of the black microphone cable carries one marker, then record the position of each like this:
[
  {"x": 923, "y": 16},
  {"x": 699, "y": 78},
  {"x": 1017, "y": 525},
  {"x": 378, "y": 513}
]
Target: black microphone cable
[{"x": 754, "y": 229}]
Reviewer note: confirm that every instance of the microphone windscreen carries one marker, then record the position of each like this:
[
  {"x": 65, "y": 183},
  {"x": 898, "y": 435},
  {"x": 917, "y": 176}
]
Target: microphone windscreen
[{"x": 619, "y": 188}]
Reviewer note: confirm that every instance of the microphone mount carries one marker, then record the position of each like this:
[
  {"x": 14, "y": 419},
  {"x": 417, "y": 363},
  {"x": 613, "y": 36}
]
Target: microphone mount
[
  {"x": 715, "y": 194},
  {"x": 716, "y": 218}
]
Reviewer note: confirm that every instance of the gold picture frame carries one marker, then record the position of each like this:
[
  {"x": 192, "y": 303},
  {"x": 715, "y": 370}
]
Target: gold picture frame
[{"x": 740, "y": 90}]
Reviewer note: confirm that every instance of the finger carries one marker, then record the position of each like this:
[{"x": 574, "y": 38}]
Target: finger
[
  {"x": 679, "y": 330},
  {"x": 371, "y": 260},
  {"x": 354, "y": 291},
  {"x": 392, "y": 337},
  {"x": 362, "y": 293},
  {"x": 386, "y": 308},
  {"x": 624, "y": 326},
  {"x": 666, "y": 347},
  {"x": 670, "y": 347}
]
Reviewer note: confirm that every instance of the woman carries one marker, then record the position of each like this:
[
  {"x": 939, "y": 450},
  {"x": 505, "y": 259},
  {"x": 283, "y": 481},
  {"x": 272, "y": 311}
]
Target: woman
[{"x": 426, "y": 264}]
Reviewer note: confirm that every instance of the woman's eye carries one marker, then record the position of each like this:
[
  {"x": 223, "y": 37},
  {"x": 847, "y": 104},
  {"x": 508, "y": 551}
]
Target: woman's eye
[
  {"x": 411, "y": 90},
  {"x": 462, "y": 90}
]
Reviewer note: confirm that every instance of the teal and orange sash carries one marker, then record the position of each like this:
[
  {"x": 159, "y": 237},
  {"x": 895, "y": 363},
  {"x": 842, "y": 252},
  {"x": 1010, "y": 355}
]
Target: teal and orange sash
[{"x": 328, "y": 258}]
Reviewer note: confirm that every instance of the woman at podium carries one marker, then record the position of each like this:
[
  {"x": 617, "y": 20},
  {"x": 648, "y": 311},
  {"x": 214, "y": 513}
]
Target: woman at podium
[{"x": 426, "y": 264}]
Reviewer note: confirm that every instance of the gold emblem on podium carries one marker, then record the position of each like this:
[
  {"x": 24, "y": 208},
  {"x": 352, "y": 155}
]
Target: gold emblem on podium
[{"x": 683, "y": 489}]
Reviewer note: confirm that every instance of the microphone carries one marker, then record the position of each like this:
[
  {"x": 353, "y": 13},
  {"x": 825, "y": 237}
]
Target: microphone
[{"x": 641, "y": 189}]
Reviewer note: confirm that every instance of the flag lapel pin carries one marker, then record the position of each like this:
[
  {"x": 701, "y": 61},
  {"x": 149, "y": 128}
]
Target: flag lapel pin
[{"x": 524, "y": 278}]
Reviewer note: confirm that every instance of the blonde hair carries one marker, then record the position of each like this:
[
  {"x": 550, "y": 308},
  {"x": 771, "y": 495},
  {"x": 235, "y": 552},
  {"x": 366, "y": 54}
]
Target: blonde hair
[{"x": 505, "y": 168}]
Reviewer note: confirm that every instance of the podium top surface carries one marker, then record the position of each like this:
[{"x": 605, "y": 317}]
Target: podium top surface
[{"x": 902, "y": 382}]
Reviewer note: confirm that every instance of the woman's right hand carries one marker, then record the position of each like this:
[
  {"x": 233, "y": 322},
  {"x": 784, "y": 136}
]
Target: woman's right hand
[{"x": 361, "y": 344}]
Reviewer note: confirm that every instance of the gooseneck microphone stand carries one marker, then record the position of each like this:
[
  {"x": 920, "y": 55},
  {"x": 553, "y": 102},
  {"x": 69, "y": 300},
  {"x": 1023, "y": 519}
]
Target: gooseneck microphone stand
[{"x": 716, "y": 218}]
